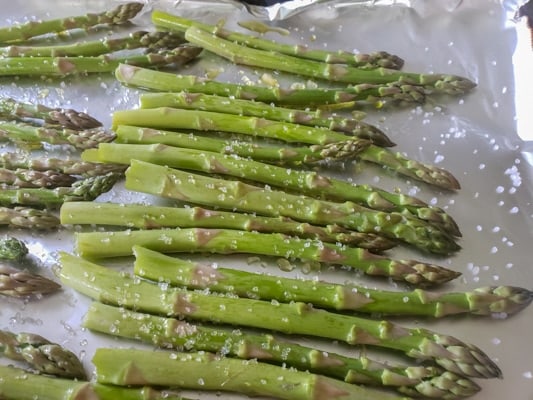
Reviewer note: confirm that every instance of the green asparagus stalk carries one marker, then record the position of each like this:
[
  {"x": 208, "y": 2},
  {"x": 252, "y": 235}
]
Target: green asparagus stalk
[
  {"x": 22, "y": 132},
  {"x": 86, "y": 189},
  {"x": 152, "y": 217},
  {"x": 296, "y": 181},
  {"x": 501, "y": 300},
  {"x": 239, "y": 54},
  {"x": 373, "y": 60},
  {"x": 374, "y": 94},
  {"x": 291, "y": 155},
  {"x": 12, "y": 249},
  {"x": 239, "y": 196},
  {"x": 17, "y": 283},
  {"x": 206, "y": 371},
  {"x": 113, "y": 287},
  {"x": 173, "y": 118},
  {"x": 28, "y": 218},
  {"x": 62, "y": 66},
  {"x": 14, "y": 160},
  {"x": 199, "y": 101},
  {"x": 20, "y": 32},
  {"x": 152, "y": 41},
  {"x": 178, "y": 334},
  {"x": 44, "y": 356},
  {"x": 25, "y": 178},
  {"x": 19, "y": 384},
  {"x": 67, "y": 118},
  {"x": 228, "y": 241}
]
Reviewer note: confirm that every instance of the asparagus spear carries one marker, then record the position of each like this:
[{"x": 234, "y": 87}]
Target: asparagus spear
[
  {"x": 86, "y": 189},
  {"x": 17, "y": 283},
  {"x": 44, "y": 356},
  {"x": 179, "y": 334},
  {"x": 296, "y": 181},
  {"x": 28, "y": 218},
  {"x": 61, "y": 66},
  {"x": 67, "y": 118},
  {"x": 238, "y": 196},
  {"x": 152, "y": 41},
  {"x": 174, "y": 118},
  {"x": 14, "y": 160},
  {"x": 113, "y": 287},
  {"x": 206, "y": 371},
  {"x": 366, "y": 93},
  {"x": 119, "y": 15},
  {"x": 377, "y": 59},
  {"x": 152, "y": 265},
  {"x": 150, "y": 217},
  {"x": 228, "y": 241},
  {"x": 19, "y": 384},
  {"x": 22, "y": 132},
  {"x": 199, "y": 101},
  {"x": 291, "y": 155},
  {"x": 12, "y": 248},
  {"x": 25, "y": 178},
  {"x": 239, "y": 54}
]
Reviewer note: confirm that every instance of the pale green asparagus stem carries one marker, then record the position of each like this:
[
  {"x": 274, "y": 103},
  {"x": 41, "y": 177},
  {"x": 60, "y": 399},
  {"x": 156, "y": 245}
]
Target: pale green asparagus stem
[
  {"x": 64, "y": 117},
  {"x": 173, "y": 118},
  {"x": 239, "y": 196},
  {"x": 28, "y": 218},
  {"x": 152, "y": 217},
  {"x": 19, "y": 384},
  {"x": 374, "y": 94},
  {"x": 62, "y": 66},
  {"x": 113, "y": 287},
  {"x": 501, "y": 300},
  {"x": 372, "y": 60},
  {"x": 44, "y": 356},
  {"x": 152, "y": 41},
  {"x": 173, "y": 333},
  {"x": 199, "y": 101},
  {"x": 229, "y": 241},
  {"x": 21, "y": 32},
  {"x": 206, "y": 371},
  {"x": 17, "y": 283}
]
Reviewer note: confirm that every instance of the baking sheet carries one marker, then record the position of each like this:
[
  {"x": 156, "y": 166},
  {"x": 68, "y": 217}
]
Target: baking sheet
[{"x": 477, "y": 137}]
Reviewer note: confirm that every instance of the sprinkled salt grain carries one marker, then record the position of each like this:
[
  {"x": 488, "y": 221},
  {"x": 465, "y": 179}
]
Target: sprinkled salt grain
[
  {"x": 496, "y": 341},
  {"x": 514, "y": 210}
]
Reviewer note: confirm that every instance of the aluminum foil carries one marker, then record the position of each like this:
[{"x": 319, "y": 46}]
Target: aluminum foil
[{"x": 484, "y": 138}]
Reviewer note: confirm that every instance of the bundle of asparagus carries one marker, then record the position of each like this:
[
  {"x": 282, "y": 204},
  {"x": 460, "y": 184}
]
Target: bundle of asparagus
[
  {"x": 113, "y": 287},
  {"x": 21, "y": 58}
]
